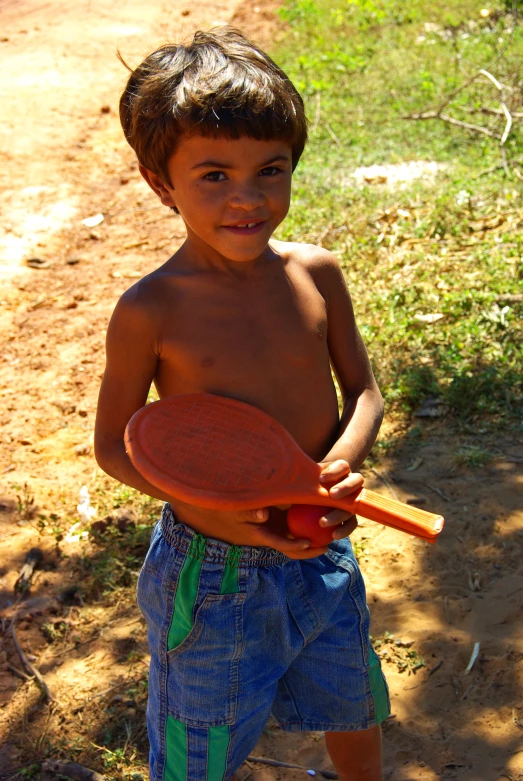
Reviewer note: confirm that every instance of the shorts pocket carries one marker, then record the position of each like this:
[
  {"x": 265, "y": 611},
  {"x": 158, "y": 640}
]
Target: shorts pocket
[{"x": 203, "y": 671}]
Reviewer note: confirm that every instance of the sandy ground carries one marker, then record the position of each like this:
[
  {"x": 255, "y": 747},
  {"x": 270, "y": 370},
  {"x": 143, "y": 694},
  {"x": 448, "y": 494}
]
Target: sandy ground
[{"x": 64, "y": 160}]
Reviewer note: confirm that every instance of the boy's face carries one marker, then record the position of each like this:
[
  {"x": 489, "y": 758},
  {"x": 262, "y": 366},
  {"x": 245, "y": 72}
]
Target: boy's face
[{"x": 231, "y": 193}]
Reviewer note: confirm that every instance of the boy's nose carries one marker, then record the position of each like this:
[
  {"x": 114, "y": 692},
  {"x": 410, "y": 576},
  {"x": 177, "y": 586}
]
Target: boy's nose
[{"x": 247, "y": 197}]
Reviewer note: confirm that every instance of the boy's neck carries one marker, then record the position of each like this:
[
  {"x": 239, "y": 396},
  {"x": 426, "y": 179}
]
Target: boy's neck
[{"x": 205, "y": 259}]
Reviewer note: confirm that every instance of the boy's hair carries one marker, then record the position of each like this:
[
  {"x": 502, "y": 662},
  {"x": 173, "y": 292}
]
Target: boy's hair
[{"x": 220, "y": 85}]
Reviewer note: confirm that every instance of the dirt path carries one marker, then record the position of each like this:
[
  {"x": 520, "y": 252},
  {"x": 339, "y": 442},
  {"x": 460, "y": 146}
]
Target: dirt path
[{"x": 64, "y": 160}]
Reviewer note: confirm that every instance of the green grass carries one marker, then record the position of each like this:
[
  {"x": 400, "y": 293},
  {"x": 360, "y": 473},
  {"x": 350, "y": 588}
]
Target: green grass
[{"x": 451, "y": 246}]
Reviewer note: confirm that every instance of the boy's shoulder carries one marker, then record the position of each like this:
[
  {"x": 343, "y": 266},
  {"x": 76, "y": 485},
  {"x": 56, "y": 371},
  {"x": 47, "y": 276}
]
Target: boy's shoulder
[
  {"x": 310, "y": 256},
  {"x": 147, "y": 291},
  {"x": 321, "y": 265}
]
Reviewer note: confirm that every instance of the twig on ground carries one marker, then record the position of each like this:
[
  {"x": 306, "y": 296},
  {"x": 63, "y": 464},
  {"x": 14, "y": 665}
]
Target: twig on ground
[
  {"x": 509, "y": 298},
  {"x": 333, "y": 135},
  {"x": 30, "y": 667},
  {"x": 502, "y": 111},
  {"x": 276, "y": 763},
  {"x": 453, "y": 121},
  {"x": 467, "y": 692},
  {"x": 20, "y": 673},
  {"x": 384, "y": 480},
  {"x": 507, "y": 114},
  {"x": 438, "y": 491},
  {"x": 497, "y": 112},
  {"x": 496, "y": 168}
]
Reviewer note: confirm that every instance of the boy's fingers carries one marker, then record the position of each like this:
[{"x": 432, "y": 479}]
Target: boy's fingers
[
  {"x": 294, "y": 549},
  {"x": 334, "y": 517},
  {"x": 352, "y": 483},
  {"x": 345, "y": 528},
  {"x": 334, "y": 470},
  {"x": 258, "y": 516}
]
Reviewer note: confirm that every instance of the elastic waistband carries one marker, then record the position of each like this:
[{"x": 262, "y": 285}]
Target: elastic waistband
[{"x": 182, "y": 537}]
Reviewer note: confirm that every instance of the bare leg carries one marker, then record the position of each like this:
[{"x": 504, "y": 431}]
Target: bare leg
[{"x": 356, "y": 755}]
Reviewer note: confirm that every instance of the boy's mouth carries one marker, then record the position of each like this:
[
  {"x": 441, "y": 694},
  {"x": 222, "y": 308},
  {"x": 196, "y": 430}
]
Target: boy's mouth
[{"x": 246, "y": 227}]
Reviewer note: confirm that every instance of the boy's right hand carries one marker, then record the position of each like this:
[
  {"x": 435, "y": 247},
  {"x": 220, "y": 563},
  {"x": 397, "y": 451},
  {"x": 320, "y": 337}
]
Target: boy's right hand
[
  {"x": 270, "y": 526},
  {"x": 260, "y": 527}
]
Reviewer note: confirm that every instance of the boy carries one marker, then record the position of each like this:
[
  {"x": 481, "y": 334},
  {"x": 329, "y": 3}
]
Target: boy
[{"x": 242, "y": 619}]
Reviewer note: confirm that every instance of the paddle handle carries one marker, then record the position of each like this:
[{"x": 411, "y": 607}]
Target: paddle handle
[{"x": 390, "y": 512}]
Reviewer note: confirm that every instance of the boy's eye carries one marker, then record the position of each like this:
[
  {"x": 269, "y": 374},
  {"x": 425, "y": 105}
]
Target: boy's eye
[
  {"x": 271, "y": 170},
  {"x": 215, "y": 176}
]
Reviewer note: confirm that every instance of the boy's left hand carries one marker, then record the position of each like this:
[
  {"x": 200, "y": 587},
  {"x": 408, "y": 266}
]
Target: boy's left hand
[{"x": 340, "y": 481}]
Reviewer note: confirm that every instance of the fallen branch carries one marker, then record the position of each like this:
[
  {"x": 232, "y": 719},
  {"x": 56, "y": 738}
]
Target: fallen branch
[
  {"x": 507, "y": 114},
  {"x": 30, "y": 667},
  {"x": 502, "y": 111},
  {"x": 438, "y": 492},
  {"x": 496, "y": 112},
  {"x": 71, "y": 770},
  {"x": 509, "y": 298},
  {"x": 277, "y": 763},
  {"x": 20, "y": 673},
  {"x": 452, "y": 121}
]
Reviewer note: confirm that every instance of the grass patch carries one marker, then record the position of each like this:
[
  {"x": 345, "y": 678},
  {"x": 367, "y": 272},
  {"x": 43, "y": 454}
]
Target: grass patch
[
  {"x": 430, "y": 263},
  {"x": 472, "y": 456}
]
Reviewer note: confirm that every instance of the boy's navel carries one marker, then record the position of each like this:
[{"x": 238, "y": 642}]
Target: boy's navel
[{"x": 208, "y": 362}]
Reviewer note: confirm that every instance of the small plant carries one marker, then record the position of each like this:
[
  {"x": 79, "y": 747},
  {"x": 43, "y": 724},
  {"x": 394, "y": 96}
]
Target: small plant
[
  {"x": 398, "y": 652},
  {"x": 54, "y": 630},
  {"x": 25, "y": 502},
  {"x": 472, "y": 456},
  {"x": 32, "y": 771},
  {"x": 360, "y": 548}
]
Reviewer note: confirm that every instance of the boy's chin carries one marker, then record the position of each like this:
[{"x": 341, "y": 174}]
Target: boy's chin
[{"x": 235, "y": 255}]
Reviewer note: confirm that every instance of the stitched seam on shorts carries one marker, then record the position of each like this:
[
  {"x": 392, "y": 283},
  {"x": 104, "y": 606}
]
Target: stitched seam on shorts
[
  {"x": 319, "y": 726},
  {"x": 168, "y": 521},
  {"x": 254, "y": 561}
]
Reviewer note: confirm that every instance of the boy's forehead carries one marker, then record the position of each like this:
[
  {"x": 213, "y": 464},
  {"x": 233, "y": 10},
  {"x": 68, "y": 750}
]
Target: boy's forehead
[{"x": 196, "y": 149}]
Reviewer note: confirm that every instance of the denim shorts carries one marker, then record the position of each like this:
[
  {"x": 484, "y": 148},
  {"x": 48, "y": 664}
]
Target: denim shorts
[{"x": 237, "y": 633}]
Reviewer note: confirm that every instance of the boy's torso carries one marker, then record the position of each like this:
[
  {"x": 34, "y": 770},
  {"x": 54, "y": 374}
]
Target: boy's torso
[{"x": 260, "y": 338}]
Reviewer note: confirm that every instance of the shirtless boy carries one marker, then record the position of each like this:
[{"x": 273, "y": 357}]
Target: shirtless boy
[{"x": 242, "y": 619}]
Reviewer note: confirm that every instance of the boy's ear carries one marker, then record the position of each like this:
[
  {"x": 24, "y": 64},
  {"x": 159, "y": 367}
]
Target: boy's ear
[{"x": 158, "y": 186}]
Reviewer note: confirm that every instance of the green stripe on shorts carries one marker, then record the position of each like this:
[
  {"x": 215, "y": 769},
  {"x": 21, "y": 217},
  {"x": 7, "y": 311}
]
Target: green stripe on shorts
[
  {"x": 378, "y": 688},
  {"x": 230, "y": 571},
  {"x": 186, "y": 591},
  {"x": 181, "y": 625},
  {"x": 217, "y": 753},
  {"x": 176, "y": 745},
  {"x": 175, "y": 751}
]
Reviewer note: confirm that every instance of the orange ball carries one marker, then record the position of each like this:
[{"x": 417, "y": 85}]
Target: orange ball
[{"x": 303, "y": 523}]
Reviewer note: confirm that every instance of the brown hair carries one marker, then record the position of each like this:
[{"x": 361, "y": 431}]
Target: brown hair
[{"x": 220, "y": 85}]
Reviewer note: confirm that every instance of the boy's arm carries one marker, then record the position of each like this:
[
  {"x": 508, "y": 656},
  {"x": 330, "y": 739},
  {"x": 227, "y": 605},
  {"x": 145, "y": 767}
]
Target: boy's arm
[
  {"x": 362, "y": 411},
  {"x": 132, "y": 348}
]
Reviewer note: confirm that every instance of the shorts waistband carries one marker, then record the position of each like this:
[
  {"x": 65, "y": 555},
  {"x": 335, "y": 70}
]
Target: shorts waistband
[{"x": 182, "y": 537}]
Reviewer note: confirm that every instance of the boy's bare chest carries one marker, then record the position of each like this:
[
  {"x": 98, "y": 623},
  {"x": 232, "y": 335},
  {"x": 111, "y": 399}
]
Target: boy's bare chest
[{"x": 236, "y": 334}]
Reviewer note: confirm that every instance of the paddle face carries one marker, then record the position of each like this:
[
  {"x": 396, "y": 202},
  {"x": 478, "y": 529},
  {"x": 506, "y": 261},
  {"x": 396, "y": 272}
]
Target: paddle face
[
  {"x": 215, "y": 451},
  {"x": 222, "y": 454}
]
